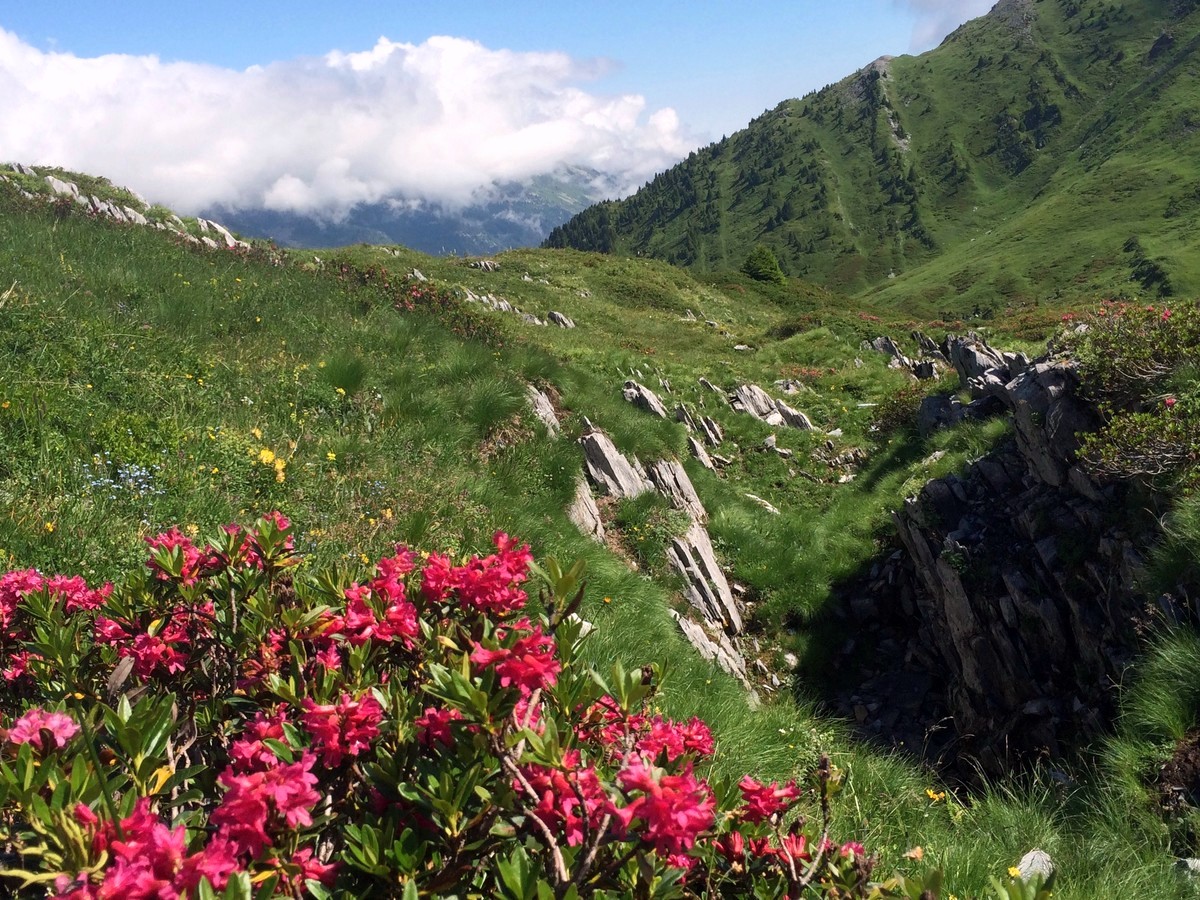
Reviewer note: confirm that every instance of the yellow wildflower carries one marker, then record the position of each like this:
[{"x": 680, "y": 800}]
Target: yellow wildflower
[
  {"x": 49, "y": 526},
  {"x": 266, "y": 456},
  {"x": 1014, "y": 872},
  {"x": 331, "y": 456}
]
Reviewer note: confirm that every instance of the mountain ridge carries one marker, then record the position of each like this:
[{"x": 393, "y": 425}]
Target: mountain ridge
[{"x": 881, "y": 182}]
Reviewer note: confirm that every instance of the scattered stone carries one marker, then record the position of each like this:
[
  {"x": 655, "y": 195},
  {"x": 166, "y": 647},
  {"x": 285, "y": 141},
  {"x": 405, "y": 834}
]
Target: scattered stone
[
  {"x": 700, "y": 454},
  {"x": 769, "y": 442},
  {"x": 741, "y": 348},
  {"x": 560, "y": 320},
  {"x": 763, "y": 503},
  {"x": 711, "y": 429},
  {"x": 485, "y": 265},
  {"x": 685, "y": 417},
  {"x": 417, "y": 275},
  {"x": 705, "y": 383}
]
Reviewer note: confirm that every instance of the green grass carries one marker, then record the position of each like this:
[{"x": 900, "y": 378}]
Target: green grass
[{"x": 121, "y": 349}]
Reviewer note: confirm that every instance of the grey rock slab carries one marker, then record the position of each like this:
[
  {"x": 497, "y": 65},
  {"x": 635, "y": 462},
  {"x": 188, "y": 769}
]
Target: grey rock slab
[
  {"x": 543, "y": 409},
  {"x": 559, "y": 319},
  {"x": 671, "y": 480},
  {"x": 644, "y": 398},
  {"x": 584, "y": 513},
  {"x": 64, "y": 188},
  {"x": 707, "y": 588},
  {"x": 755, "y": 401},
  {"x": 700, "y": 454},
  {"x": 793, "y": 418},
  {"x": 609, "y": 470}
]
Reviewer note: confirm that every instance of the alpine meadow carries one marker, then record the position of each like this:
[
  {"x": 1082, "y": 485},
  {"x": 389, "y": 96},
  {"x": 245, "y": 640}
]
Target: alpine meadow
[{"x": 820, "y": 520}]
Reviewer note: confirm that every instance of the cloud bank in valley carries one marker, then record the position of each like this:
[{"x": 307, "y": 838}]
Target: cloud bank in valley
[
  {"x": 937, "y": 18},
  {"x": 437, "y": 121}
]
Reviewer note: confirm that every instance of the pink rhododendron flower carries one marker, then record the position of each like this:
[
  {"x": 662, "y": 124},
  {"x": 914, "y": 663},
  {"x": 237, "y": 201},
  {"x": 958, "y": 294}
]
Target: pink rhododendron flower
[
  {"x": 529, "y": 664},
  {"x": 175, "y": 542},
  {"x": 13, "y": 587},
  {"x": 74, "y": 593},
  {"x": 485, "y": 585},
  {"x": 249, "y": 753},
  {"x": 1170, "y": 401},
  {"x": 763, "y": 801},
  {"x": 259, "y": 803},
  {"x": 34, "y": 726},
  {"x": 433, "y": 726},
  {"x": 674, "y": 809},
  {"x": 343, "y": 729},
  {"x": 675, "y": 739},
  {"x": 560, "y": 792}
]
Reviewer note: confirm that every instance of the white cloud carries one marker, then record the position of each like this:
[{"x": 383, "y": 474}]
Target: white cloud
[
  {"x": 937, "y": 18},
  {"x": 436, "y": 121}
]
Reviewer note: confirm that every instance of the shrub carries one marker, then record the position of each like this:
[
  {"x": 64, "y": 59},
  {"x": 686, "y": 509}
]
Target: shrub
[
  {"x": 222, "y": 723},
  {"x": 1139, "y": 363}
]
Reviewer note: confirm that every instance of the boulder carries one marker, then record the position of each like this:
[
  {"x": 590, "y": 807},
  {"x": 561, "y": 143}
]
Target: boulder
[
  {"x": 671, "y": 480},
  {"x": 609, "y": 470},
  {"x": 559, "y": 319},
  {"x": 707, "y": 589},
  {"x": 584, "y": 513},
  {"x": 644, "y": 398},
  {"x": 62, "y": 188}
]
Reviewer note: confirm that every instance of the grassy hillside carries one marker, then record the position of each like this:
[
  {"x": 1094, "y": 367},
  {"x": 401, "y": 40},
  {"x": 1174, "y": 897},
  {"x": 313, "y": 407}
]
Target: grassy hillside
[
  {"x": 949, "y": 182},
  {"x": 145, "y": 383}
]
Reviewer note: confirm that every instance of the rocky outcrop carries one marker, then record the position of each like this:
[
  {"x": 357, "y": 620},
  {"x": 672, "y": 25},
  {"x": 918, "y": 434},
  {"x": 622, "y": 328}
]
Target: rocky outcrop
[
  {"x": 584, "y": 513},
  {"x": 715, "y": 646},
  {"x": 751, "y": 399},
  {"x": 1015, "y": 589},
  {"x": 707, "y": 588},
  {"x": 670, "y": 480},
  {"x": 560, "y": 319},
  {"x": 544, "y": 410},
  {"x": 644, "y": 398},
  {"x": 609, "y": 470}
]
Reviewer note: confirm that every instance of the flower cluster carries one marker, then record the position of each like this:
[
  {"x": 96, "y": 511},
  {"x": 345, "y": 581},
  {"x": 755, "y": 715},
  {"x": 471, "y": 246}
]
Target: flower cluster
[{"x": 334, "y": 733}]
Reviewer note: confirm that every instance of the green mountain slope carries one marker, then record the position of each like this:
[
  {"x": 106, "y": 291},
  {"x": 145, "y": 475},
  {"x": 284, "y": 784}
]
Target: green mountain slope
[{"x": 1011, "y": 164}]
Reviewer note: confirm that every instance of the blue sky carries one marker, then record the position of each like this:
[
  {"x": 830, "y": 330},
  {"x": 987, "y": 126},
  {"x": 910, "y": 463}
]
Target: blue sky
[{"x": 619, "y": 86}]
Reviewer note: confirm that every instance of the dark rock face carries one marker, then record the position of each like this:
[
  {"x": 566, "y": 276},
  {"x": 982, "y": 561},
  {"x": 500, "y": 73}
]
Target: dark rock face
[{"x": 1014, "y": 590}]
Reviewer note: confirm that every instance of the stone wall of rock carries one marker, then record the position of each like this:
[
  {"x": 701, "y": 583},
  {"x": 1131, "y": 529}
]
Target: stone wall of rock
[{"x": 1015, "y": 591}]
